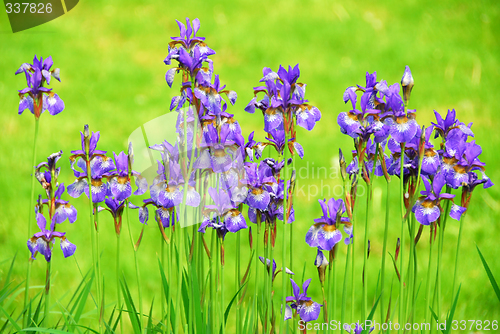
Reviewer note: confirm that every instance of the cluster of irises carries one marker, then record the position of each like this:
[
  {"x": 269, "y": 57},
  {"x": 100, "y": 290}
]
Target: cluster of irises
[{"x": 212, "y": 168}]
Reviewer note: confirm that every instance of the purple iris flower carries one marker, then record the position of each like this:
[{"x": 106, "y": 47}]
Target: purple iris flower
[
  {"x": 99, "y": 167},
  {"x": 114, "y": 207},
  {"x": 222, "y": 216},
  {"x": 307, "y": 309},
  {"x": 41, "y": 242},
  {"x": 444, "y": 126},
  {"x": 463, "y": 166},
  {"x": 63, "y": 209},
  {"x": 431, "y": 161},
  {"x": 427, "y": 209},
  {"x": 325, "y": 233},
  {"x": 119, "y": 181},
  {"x": 258, "y": 192},
  {"x": 36, "y": 97}
]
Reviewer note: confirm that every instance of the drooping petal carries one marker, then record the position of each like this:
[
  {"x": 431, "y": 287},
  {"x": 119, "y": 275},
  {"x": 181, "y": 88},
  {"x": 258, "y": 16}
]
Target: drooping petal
[
  {"x": 67, "y": 247},
  {"x": 456, "y": 211},
  {"x": 258, "y": 198},
  {"x": 26, "y": 102},
  {"x": 120, "y": 188},
  {"x": 312, "y": 236},
  {"x": 308, "y": 310},
  {"x": 53, "y": 103},
  {"x": 426, "y": 212},
  {"x": 77, "y": 188},
  {"x": 328, "y": 236},
  {"x": 235, "y": 221}
]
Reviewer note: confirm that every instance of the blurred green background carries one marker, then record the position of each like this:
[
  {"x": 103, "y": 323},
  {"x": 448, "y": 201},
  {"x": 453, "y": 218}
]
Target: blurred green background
[{"x": 111, "y": 58}]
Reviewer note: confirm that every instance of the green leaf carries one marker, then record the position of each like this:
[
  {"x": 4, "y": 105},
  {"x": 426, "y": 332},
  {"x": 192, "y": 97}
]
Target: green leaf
[
  {"x": 132, "y": 311},
  {"x": 452, "y": 311},
  {"x": 12, "y": 321},
  {"x": 226, "y": 313},
  {"x": 490, "y": 275}
]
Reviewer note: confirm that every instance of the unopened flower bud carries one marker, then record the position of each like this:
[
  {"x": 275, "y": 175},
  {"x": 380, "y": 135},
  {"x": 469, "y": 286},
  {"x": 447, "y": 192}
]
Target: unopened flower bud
[
  {"x": 343, "y": 166},
  {"x": 407, "y": 83},
  {"x": 321, "y": 263}
]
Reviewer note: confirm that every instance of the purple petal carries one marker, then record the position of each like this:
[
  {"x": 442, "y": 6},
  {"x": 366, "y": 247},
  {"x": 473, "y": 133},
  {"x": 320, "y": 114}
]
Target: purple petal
[
  {"x": 426, "y": 212},
  {"x": 67, "y": 247},
  {"x": 77, "y": 188},
  {"x": 53, "y": 103},
  {"x": 328, "y": 236},
  {"x": 235, "y": 221},
  {"x": 456, "y": 211},
  {"x": 309, "y": 310}
]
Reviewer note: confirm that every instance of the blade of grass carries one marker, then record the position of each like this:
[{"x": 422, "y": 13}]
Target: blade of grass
[
  {"x": 490, "y": 274},
  {"x": 132, "y": 312}
]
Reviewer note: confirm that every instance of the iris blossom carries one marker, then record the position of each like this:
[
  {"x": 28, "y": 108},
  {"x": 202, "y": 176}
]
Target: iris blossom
[
  {"x": 42, "y": 242},
  {"x": 36, "y": 97},
  {"x": 325, "y": 232},
  {"x": 306, "y": 308}
]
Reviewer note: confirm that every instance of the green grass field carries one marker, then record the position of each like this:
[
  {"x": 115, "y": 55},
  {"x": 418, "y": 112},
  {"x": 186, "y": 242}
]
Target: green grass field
[{"x": 111, "y": 58}]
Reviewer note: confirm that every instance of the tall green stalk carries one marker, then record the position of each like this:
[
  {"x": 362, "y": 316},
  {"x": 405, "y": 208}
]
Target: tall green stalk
[
  {"x": 46, "y": 318},
  {"x": 237, "y": 279},
  {"x": 440, "y": 253},
  {"x": 344, "y": 288},
  {"x": 30, "y": 220},
  {"x": 283, "y": 327},
  {"x": 137, "y": 272},
  {"x": 93, "y": 229},
  {"x": 118, "y": 292},
  {"x": 457, "y": 256},
  {"x": 384, "y": 252},
  {"x": 428, "y": 283},
  {"x": 401, "y": 317}
]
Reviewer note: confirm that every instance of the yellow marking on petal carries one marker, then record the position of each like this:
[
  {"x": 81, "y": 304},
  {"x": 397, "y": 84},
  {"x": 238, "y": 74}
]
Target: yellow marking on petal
[{"x": 329, "y": 228}]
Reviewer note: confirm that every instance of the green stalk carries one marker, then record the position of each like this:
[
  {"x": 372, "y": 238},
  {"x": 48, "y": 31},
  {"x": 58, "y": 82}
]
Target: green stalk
[
  {"x": 384, "y": 251},
  {"x": 344, "y": 289},
  {"x": 30, "y": 220},
  {"x": 352, "y": 268},
  {"x": 256, "y": 300},
  {"x": 137, "y": 273},
  {"x": 266, "y": 281},
  {"x": 46, "y": 318},
  {"x": 365, "y": 245},
  {"x": 162, "y": 257},
  {"x": 401, "y": 317},
  {"x": 93, "y": 240},
  {"x": 237, "y": 283},
  {"x": 96, "y": 223},
  {"x": 457, "y": 256},
  {"x": 428, "y": 283},
  {"x": 212, "y": 283},
  {"x": 169, "y": 268},
  {"x": 118, "y": 292},
  {"x": 283, "y": 328},
  {"x": 440, "y": 252},
  {"x": 222, "y": 288}
]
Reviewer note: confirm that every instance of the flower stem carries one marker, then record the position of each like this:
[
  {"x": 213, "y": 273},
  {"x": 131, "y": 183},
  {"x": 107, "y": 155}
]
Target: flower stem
[
  {"x": 31, "y": 214},
  {"x": 237, "y": 283},
  {"x": 457, "y": 257},
  {"x": 46, "y": 319},
  {"x": 118, "y": 292},
  {"x": 401, "y": 317},
  {"x": 428, "y": 282},
  {"x": 137, "y": 273},
  {"x": 344, "y": 288},
  {"x": 384, "y": 251}
]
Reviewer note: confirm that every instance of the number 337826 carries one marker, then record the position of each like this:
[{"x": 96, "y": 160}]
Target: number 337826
[{"x": 28, "y": 7}]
